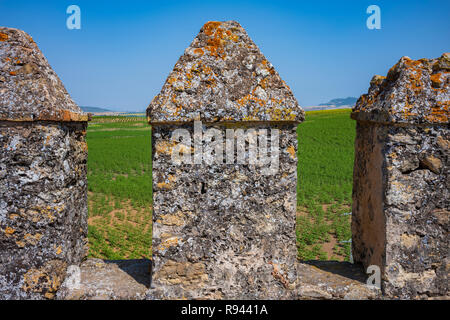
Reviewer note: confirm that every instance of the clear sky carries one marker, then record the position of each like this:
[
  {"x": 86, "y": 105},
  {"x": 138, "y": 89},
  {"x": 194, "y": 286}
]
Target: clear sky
[{"x": 125, "y": 49}]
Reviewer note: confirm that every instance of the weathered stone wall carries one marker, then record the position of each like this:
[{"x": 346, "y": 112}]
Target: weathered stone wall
[
  {"x": 43, "y": 187},
  {"x": 223, "y": 231},
  {"x": 401, "y": 197}
]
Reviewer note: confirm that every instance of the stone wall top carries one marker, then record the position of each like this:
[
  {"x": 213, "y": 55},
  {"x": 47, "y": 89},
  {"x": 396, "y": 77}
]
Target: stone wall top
[
  {"x": 29, "y": 88},
  {"x": 223, "y": 76},
  {"x": 413, "y": 92}
]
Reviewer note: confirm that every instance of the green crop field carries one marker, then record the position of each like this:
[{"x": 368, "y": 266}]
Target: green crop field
[
  {"x": 120, "y": 188},
  {"x": 324, "y": 188}
]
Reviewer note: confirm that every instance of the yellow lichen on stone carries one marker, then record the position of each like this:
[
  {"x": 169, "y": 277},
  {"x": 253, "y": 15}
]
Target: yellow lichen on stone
[
  {"x": 164, "y": 147},
  {"x": 168, "y": 243},
  {"x": 291, "y": 151},
  {"x": 9, "y": 231},
  {"x": 32, "y": 239},
  {"x": 184, "y": 273},
  {"x": 176, "y": 219},
  {"x": 45, "y": 280},
  {"x": 58, "y": 250},
  {"x": 409, "y": 241}
]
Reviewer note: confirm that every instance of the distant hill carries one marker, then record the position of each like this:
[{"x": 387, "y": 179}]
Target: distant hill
[
  {"x": 339, "y": 102},
  {"x": 94, "y": 109}
]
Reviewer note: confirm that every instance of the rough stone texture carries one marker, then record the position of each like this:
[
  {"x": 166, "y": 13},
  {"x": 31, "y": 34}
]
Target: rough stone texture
[
  {"x": 223, "y": 76},
  {"x": 413, "y": 92},
  {"x": 107, "y": 280},
  {"x": 332, "y": 280},
  {"x": 224, "y": 231},
  {"x": 401, "y": 197},
  {"x": 127, "y": 280},
  {"x": 43, "y": 191}
]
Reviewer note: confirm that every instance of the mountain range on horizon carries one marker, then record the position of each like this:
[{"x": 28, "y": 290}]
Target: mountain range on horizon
[
  {"x": 339, "y": 102},
  {"x": 332, "y": 104}
]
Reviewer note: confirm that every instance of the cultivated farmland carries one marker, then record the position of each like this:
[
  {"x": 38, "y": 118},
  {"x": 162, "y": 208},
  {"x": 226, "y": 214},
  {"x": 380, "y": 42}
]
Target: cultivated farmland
[{"x": 120, "y": 187}]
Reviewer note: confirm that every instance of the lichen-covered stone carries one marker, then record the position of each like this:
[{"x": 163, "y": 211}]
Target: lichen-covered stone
[
  {"x": 43, "y": 187},
  {"x": 29, "y": 88},
  {"x": 333, "y": 280},
  {"x": 224, "y": 230},
  {"x": 223, "y": 76},
  {"x": 414, "y": 91},
  {"x": 401, "y": 199},
  {"x": 96, "y": 279}
]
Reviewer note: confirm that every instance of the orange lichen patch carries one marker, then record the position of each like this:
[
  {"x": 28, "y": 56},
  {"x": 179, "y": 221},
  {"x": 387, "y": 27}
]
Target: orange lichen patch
[
  {"x": 250, "y": 97},
  {"x": 178, "y": 111},
  {"x": 439, "y": 113},
  {"x": 407, "y": 114},
  {"x": 71, "y": 116},
  {"x": 218, "y": 37},
  {"x": 58, "y": 250},
  {"x": 279, "y": 113},
  {"x": 164, "y": 186},
  {"x": 39, "y": 213},
  {"x": 20, "y": 244},
  {"x": 210, "y": 26},
  {"x": 30, "y": 39},
  {"x": 199, "y": 51},
  {"x": 215, "y": 47},
  {"x": 263, "y": 83},
  {"x": 291, "y": 151},
  {"x": 416, "y": 83},
  {"x": 286, "y": 85},
  {"x": 167, "y": 185},
  {"x": 412, "y": 63},
  {"x": 45, "y": 280},
  {"x": 164, "y": 147},
  {"x": 206, "y": 73},
  {"x": 66, "y": 115},
  {"x": 171, "y": 80},
  {"x": 167, "y": 243},
  {"x": 177, "y": 219},
  {"x": 3, "y": 36},
  {"x": 278, "y": 275},
  {"x": 32, "y": 239},
  {"x": 436, "y": 79},
  {"x": 9, "y": 231}
]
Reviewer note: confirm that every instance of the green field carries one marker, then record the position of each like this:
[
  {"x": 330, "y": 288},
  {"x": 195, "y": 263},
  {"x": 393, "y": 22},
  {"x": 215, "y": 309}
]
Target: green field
[
  {"x": 324, "y": 188},
  {"x": 120, "y": 188}
]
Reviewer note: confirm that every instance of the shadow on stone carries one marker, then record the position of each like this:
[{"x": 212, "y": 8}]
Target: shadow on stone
[
  {"x": 333, "y": 280},
  {"x": 138, "y": 269},
  {"x": 99, "y": 279},
  {"x": 342, "y": 268}
]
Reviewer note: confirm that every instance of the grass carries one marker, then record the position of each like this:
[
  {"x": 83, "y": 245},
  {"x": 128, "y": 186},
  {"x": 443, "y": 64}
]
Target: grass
[
  {"x": 120, "y": 186},
  {"x": 324, "y": 189}
]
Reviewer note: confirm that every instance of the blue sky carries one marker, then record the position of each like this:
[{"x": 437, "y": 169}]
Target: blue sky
[{"x": 125, "y": 49}]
